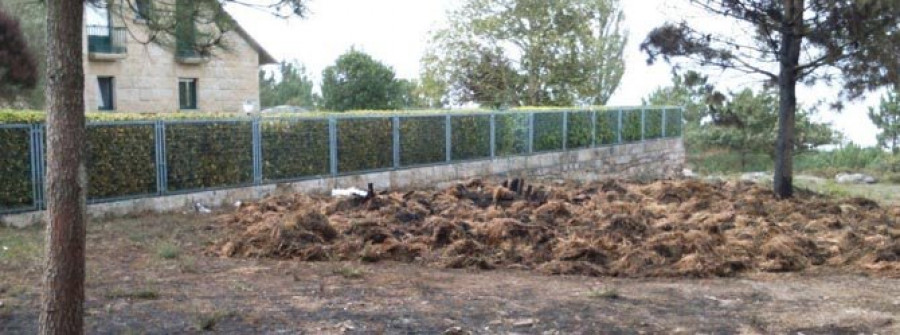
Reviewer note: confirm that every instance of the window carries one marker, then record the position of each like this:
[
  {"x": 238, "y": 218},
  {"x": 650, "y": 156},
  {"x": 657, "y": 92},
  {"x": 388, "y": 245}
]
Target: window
[
  {"x": 187, "y": 93},
  {"x": 141, "y": 9},
  {"x": 105, "y": 97}
]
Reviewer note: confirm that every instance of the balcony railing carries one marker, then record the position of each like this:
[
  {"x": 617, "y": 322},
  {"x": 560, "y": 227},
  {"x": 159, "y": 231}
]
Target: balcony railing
[{"x": 106, "y": 40}]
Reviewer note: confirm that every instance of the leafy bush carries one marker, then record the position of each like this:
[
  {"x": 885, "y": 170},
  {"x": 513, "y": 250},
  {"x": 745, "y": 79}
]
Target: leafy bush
[
  {"x": 631, "y": 125},
  {"x": 121, "y": 160},
  {"x": 674, "y": 123},
  {"x": 579, "y": 130},
  {"x": 607, "y": 127},
  {"x": 653, "y": 123},
  {"x": 365, "y": 144},
  {"x": 15, "y": 168},
  {"x": 511, "y": 132},
  {"x": 548, "y": 132},
  {"x": 294, "y": 149},
  {"x": 208, "y": 155},
  {"x": 470, "y": 137},
  {"x": 422, "y": 140}
]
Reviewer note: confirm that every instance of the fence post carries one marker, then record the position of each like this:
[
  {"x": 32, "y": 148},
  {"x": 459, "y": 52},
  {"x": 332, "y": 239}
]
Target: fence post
[
  {"x": 448, "y": 132},
  {"x": 332, "y": 145},
  {"x": 593, "y": 128},
  {"x": 36, "y": 160},
  {"x": 619, "y": 128},
  {"x": 256, "y": 139},
  {"x": 664, "y": 123},
  {"x": 530, "y": 132},
  {"x": 565, "y": 130},
  {"x": 162, "y": 168},
  {"x": 396, "y": 141},
  {"x": 643, "y": 123},
  {"x": 493, "y": 135}
]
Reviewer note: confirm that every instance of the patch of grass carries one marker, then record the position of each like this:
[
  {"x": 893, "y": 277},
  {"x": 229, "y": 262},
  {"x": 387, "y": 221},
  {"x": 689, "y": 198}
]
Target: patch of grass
[
  {"x": 604, "y": 293},
  {"x": 208, "y": 321},
  {"x": 349, "y": 272},
  {"x": 21, "y": 247},
  {"x": 142, "y": 294},
  {"x": 168, "y": 250}
]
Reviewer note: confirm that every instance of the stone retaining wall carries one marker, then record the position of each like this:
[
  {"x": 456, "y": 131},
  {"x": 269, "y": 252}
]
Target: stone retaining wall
[{"x": 649, "y": 159}]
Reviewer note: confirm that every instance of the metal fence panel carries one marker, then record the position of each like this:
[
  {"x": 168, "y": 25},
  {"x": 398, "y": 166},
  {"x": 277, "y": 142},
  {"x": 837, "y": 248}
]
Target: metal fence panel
[
  {"x": 511, "y": 134},
  {"x": 364, "y": 144},
  {"x": 121, "y": 160},
  {"x": 17, "y": 191},
  {"x": 607, "y": 127},
  {"x": 470, "y": 137},
  {"x": 294, "y": 148},
  {"x": 674, "y": 123},
  {"x": 211, "y": 154},
  {"x": 631, "y": 125},
  {"x": 653, "y": 123},
  {"x": 548, "y": 131},
  {"x": 422, "y": 140},
  {"x": 578, "y": 131}
]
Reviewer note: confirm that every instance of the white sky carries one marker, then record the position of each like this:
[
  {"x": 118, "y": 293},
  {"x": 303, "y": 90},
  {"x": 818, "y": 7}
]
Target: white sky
[{"x": 395, "y": 32}]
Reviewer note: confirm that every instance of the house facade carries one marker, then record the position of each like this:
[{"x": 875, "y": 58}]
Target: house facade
[{"x": 124, "y": 72}]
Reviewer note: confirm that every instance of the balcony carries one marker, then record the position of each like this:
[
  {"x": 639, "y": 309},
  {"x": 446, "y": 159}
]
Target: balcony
[{"x": 106, "y": 43}]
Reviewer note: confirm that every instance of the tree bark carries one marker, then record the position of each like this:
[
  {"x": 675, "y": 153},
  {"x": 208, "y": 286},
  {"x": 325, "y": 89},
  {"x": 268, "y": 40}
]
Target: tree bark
[
  {"x": 789, "y": 56},
  {"x": 62, "y": 303}
]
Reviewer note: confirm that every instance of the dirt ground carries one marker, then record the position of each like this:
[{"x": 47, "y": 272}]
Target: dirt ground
[{"x": 155, "y": 275}]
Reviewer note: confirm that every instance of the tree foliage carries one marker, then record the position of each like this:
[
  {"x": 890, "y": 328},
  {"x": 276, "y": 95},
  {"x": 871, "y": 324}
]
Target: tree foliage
[
  {"x": 358, "y": 81},
  {"x": 887, "y": 118},
  {"x": 527, "y": 52},
  {"x": 847, "y": 43},
  {"x": 18, "y": 67},
  {"x": 292, "y": 86}
]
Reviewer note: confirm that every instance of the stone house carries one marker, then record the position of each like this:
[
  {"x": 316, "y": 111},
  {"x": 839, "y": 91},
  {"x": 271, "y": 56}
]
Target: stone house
[{"x": 125, "y": 73}]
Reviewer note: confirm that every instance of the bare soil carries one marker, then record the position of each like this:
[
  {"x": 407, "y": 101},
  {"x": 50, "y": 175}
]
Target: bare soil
[{"x": 162, "y": 274}]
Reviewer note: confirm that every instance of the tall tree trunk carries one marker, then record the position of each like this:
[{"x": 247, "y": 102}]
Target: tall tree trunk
[
  {"x": 791, "y": 39},
  {"x": 62, "y": 304}
]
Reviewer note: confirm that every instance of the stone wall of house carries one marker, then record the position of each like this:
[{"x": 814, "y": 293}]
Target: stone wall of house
[
  {"x": 650, "y": 159},
  {"x": 146, "y": 79}
]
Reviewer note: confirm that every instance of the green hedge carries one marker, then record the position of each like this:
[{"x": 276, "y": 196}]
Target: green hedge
[
  {"x": 365, "y": 144},
  {"x": 548, "y": 131},
  {"x": 15, "y": 168},
  {"x": 422, "y": 140},
  {"x": 653, "y": 123},
  {"x": 579, "y": 130},
  {"x": 631, "y": 125},
  {"x": 121, "y": 160},
  {"x": 511, "y": 134},
  {"x": 470, "y": 137},
  {"x": 673, "y": 123},
  {"x": 208, "y": 155},
  {"x": 607, "y": 127},
  {"x": 293, "y": 149}
]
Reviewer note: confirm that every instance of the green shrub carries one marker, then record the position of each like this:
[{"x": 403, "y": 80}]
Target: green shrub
[
  {"x": 470, "y": 137},
  {"x": 578, "y": 130},
  {"x": 365, "y": 144},
  {"x": 294, "y": 149},
  {"x": 422, "y": 140},
  {"x": 548, "y": 131},
  {"x": 674, "y": 123},
  {"x": 16, "y": 189},
  {"x": 631, "y": 125},
  {"x": 607, "y": 127},
  {"x": 121, "y": 160},
  {"x": 208, "y": 155},
  {"x": 653, "y": 119},
  {"x": 511, "y": 134}
]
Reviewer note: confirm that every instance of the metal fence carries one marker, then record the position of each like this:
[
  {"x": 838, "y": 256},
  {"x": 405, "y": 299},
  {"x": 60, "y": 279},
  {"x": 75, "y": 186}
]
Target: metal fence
[{"x": 127, "y": 160}]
